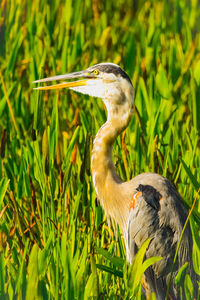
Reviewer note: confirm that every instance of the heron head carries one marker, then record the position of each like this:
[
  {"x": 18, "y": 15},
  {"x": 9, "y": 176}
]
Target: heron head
[{"x": 106, "y": 80}]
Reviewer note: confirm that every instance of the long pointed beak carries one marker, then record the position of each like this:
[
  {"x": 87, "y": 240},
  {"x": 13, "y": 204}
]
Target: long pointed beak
[{"x": 65, "y": 84}]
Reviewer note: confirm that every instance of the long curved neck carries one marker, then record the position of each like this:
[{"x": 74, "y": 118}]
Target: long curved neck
[{"x": 106, "y": 181}]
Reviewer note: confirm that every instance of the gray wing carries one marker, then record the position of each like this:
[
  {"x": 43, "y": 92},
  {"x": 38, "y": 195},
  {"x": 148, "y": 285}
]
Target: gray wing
[{"x": 158, "y": 214}]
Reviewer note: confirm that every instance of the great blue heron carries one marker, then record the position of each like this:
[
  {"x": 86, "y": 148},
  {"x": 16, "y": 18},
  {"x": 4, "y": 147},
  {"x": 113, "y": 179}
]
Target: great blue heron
[{"x": 148, "y": 206}]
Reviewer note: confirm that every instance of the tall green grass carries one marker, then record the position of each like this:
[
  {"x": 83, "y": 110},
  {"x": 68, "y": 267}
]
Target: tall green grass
[{"x": 54, "y": 239}]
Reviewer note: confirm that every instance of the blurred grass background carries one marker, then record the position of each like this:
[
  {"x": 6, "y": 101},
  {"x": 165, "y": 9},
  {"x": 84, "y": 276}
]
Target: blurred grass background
[{"x": 53, "y": 232}]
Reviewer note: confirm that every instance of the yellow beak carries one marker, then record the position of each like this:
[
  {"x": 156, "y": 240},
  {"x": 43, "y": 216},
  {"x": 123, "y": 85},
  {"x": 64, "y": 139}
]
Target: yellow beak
[
  {"x": 71, "y": 84},
  {"x": 63, "y": 85}
]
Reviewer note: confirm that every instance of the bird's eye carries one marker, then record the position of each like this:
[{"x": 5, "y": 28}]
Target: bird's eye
[{"x": 95, "y": 72}]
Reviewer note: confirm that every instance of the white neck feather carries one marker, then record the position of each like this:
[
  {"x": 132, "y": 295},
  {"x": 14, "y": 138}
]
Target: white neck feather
[{"x": 106, "y": 181}]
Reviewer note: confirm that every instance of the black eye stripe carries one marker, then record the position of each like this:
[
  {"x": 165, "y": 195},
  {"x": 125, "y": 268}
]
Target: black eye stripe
[{"x": 109, "y": 68}]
